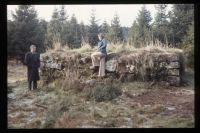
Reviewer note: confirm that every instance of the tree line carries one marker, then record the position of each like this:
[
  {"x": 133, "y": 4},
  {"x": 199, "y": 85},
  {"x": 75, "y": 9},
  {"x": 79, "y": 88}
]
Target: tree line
[{"x": 175, "y": 28}]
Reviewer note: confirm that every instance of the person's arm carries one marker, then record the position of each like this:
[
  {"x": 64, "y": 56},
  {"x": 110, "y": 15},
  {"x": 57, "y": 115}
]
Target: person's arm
[
  {"x": 103, "y": 44},
  {"x": 26, "y": 62},
  {"x": 38, "y": 61}
]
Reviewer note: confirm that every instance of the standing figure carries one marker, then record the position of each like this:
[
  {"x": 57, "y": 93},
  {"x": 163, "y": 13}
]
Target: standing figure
[
  {"x": 32, "y": 60},
  {"x": 98, "y": 57}
]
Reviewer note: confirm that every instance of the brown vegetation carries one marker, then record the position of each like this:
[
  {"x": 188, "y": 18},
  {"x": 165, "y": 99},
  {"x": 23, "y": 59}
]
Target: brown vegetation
[{"x": 74, "y": 102}]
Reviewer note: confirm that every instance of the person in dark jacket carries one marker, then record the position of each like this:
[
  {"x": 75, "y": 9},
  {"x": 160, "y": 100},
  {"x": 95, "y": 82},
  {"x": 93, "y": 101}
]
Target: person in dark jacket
[
  {"x": 32, "y": 60},
  {"x": 98, "y": 57}
]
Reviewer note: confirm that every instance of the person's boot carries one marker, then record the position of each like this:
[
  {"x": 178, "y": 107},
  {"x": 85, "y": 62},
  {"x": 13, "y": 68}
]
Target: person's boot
[
  {"x": 92, "y": 67},
  {"x": 34, "y": 85},
  {"x": 29, "y": 85}
]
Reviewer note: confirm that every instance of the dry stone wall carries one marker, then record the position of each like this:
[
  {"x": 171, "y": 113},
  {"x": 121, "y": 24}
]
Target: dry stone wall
[{"x": 126, "y": 66}]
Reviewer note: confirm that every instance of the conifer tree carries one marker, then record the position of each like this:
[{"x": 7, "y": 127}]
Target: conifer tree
[
  {"x": 115, "y": 32},
  {"x": 93, "y": 30},
  {"x": 26, "y": 31}
]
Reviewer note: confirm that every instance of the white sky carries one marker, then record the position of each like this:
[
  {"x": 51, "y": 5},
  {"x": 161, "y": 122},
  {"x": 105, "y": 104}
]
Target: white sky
[{"x": 126, "y": 12}]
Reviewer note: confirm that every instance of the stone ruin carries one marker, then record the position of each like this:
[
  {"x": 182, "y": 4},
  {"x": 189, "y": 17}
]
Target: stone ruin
[{"x": 126, "y": 66}]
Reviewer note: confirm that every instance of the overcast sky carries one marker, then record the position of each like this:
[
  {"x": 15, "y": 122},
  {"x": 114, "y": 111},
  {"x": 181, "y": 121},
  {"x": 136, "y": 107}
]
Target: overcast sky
[{"x": 126, "y": 12}]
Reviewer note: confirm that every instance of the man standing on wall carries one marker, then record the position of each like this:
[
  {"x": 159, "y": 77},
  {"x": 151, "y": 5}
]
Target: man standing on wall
[{"x": 32, "y": 60}]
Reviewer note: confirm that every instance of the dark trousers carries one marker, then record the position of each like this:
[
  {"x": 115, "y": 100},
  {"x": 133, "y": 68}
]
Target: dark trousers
[{"x": 34, "y": 85}]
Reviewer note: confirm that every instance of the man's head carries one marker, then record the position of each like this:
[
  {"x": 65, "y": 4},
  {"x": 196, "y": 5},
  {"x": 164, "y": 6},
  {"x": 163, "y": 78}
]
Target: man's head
[
  {"x": 100, "y": 36},
  {"x": 33, "y": 48}
]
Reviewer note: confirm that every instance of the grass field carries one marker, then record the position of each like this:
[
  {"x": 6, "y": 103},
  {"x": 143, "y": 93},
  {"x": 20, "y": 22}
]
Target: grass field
[{"x": 138, "y": 106}]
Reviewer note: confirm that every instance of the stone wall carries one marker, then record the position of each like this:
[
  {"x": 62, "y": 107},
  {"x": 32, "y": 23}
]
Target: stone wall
[{"x": 125, "y": 66}]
